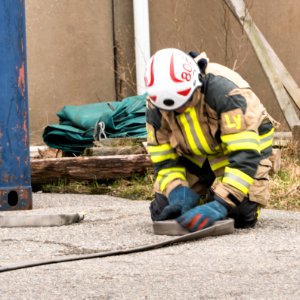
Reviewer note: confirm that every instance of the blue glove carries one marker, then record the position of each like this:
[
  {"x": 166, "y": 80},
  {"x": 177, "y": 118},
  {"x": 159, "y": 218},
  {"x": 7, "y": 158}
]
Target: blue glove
[
  {"x": 181, "y": 199},
  {"x": 203, "y": 216}
]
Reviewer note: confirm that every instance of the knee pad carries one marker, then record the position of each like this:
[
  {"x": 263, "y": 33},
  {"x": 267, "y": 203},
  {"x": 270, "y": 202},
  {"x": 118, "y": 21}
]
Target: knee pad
[
  {"x": 157, "y": 205},
  {"x": 246, "y": 214}
]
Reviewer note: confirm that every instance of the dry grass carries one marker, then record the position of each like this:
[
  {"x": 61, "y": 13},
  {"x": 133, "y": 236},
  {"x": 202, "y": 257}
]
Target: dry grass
[
  {"x": 138, "y": 187},
  {"x": 285, "y": 185}
]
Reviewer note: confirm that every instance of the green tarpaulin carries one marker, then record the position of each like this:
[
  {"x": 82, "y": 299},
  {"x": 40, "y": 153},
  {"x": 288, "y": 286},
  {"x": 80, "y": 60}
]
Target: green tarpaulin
[{"x": 78, "y": 125}]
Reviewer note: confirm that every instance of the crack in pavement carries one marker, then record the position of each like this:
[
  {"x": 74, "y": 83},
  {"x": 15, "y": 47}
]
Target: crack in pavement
[{"x": 71, "y": 249}]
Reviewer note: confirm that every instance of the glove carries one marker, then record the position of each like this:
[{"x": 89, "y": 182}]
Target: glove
[
  {"x": 203, "y": 216},
  {"x": 181, "y": 199},
  {"x": 246, "y": 214}
]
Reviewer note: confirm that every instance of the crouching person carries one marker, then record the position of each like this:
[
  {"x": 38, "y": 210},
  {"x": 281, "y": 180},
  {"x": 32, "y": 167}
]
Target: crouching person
[{"x": 204, "y": 122}]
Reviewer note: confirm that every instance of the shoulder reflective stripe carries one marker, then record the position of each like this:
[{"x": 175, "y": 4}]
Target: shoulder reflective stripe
[
  {"x": 194, "y": 132},
  {"x": 165, "y": 176},
  {"x": 266, "y": 140},
  {"x": 218, "y": 162},
  {"x": 242, "y": 141},
  {"x": 238, "y": 179},
  {"x": 161, "y": 153}
]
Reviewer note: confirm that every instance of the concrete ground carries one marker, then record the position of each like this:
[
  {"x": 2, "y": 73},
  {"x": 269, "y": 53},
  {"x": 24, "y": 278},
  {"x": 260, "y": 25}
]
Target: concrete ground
[{"x": 262, "y": 263}]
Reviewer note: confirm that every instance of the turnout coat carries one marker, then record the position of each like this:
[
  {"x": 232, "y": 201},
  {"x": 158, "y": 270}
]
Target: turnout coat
[{"x": 225, "y": 131}]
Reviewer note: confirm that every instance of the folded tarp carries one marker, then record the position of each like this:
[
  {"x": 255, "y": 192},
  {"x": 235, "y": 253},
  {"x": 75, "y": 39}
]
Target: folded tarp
[{"x": 77, "y": 124}]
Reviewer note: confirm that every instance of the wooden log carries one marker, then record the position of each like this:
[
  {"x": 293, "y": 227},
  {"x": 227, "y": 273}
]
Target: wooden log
[{"x": 88, "y": 168}]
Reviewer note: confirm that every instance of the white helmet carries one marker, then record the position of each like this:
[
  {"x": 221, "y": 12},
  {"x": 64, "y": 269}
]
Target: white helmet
[{"x": 171, "y": 78}]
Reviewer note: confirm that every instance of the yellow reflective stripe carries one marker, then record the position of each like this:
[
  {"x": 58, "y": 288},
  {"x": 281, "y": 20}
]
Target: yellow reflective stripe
[
  {"x": 197, "y": 160},
  {"x": 266, "y": 140},
  {"x": 172, "y": 169},
  {"x": 159, "y": 148},
  {"x": 238, "y": 179},
  {"x": 165, "y": 176},
  {"x": 246, "y": 140},
  {"x": 199, "y": 132},
  {"x": 218, "y": 162},
  {"x": 160, "y": 158},
  {"x": 189, "y": 134},
  {"x": 194, "y": 133},
  {"x": 161, "y": 153},
  {"x": 258, "y": 213}
]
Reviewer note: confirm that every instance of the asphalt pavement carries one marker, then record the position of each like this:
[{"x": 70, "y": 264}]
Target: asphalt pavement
[{"x": 260, "y": 263}]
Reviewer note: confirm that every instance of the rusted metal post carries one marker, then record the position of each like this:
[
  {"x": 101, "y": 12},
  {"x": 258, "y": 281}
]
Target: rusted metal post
[{"x": 15, "y": 183}]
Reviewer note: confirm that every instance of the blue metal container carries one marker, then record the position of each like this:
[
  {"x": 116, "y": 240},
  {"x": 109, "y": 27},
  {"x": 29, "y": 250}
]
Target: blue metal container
[{"x": 15, "y": 183}]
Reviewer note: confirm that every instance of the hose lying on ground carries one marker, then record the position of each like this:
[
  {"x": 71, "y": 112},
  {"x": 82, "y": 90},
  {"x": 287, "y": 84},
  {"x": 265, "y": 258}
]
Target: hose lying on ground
[
  {"x": 39, "y": 220},
  {"x": 219, "y": 228}
]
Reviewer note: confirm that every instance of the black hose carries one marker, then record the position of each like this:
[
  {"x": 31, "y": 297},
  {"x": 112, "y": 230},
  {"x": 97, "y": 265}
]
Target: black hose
[
  {"x": 98, "y": 255},
  {"x": 218, "y": 228}
]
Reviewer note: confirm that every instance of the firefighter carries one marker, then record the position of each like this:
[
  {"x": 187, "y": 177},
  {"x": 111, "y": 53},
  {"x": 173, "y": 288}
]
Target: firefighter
[{"x": 206, "y": 127}]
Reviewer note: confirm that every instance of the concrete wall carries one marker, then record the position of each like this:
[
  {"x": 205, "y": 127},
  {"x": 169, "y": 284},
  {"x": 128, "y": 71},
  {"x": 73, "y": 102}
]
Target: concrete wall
[
  {"x": 70, "y": 57},
  {"x": 74, "y": 46},
  {"x": 124, "y": 48}
]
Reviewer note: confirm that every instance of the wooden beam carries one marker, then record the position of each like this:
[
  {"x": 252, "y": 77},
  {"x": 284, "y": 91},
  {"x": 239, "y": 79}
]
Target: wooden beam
[{"x": 272, "y": 66}]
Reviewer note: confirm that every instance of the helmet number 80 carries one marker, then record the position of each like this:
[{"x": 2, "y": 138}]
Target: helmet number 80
[{"x": 186, "y": 75}]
